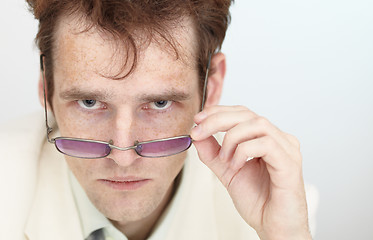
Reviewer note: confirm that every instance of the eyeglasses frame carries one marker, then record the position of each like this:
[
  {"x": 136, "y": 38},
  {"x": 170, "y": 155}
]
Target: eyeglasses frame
[{"x": 110, "y": 143}]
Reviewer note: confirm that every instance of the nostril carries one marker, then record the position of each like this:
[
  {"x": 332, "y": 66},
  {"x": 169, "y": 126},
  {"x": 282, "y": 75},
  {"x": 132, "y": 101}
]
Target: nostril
[{"x": 124, "y": 158}]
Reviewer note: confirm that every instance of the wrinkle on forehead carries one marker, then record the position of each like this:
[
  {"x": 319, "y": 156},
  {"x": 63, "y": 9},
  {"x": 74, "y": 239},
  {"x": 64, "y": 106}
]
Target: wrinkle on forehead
[{"x": 71, "y": 50}]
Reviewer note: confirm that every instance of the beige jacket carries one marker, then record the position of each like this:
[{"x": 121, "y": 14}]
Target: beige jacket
[{"x": 37, "y": 203}]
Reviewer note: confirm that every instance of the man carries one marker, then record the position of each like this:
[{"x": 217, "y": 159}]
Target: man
[{"x": 125, "y": 82}]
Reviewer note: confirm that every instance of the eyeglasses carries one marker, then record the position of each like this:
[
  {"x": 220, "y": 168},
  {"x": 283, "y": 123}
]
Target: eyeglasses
[{"x": 92, "y": 149}]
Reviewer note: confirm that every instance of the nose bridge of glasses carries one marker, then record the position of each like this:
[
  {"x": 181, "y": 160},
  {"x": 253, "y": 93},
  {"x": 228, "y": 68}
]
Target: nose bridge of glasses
[
  {"x": 123, "y": 157},
  {"x": 121, "y": 148}
]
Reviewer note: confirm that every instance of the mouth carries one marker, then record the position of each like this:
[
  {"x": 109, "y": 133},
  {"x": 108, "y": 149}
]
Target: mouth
[{"x": 125, "y": 184}]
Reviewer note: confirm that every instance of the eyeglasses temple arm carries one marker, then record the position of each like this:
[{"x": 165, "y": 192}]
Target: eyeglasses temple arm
[
  {"x": 49, "y": 129},
  {"x": 205, "y": 83}
]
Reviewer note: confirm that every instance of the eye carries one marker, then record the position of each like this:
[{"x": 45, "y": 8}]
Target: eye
[
  {"x": 90, "y": 104},
  {"x": 160, "y": 105}
]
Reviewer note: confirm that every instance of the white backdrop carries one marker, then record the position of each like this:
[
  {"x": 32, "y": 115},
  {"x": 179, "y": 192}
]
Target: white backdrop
[{"x": 305, "y": 65}]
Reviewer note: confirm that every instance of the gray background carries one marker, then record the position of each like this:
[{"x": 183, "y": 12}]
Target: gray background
[{"x": 305, "y": 65}]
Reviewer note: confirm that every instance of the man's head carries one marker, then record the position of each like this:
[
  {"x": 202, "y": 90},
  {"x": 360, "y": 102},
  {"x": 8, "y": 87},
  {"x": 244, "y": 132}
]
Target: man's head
[
  {"x": 127, "y": 71},
  {"x": 134, "y": 24}
]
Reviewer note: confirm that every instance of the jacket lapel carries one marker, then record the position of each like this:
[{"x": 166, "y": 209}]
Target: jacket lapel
[{"x": 53, "y": 214}]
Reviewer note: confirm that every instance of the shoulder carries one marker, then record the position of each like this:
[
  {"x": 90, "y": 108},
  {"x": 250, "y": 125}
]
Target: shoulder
[
  {"x": 26, "y": 126},
  {"x": 21, "y": 140},
  {"x": 20, "y": 144},
  {"x": 21, "y": 137}
]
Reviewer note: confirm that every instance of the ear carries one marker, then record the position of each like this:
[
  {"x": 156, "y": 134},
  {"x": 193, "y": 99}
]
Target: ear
[{"x": 216, "y": 79}]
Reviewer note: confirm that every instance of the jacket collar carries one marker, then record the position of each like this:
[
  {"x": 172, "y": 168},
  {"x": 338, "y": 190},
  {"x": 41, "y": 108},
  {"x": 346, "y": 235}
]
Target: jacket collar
[{"x": 53, "y": 213}]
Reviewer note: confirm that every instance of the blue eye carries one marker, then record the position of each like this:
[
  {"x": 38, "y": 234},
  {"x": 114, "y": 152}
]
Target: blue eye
[
  {"x": 90, "y": 104},
  {"x": 160, "y": 105}
]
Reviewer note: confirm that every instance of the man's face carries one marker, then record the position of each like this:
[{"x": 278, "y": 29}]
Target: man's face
[{"x": 158, "y": 100}]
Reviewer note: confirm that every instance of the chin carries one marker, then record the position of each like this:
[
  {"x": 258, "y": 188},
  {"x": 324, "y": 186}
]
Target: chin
[{"x": 128, "y": 206}]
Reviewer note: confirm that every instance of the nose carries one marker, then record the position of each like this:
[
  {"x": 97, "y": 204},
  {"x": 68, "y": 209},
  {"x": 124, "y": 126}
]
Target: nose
[{"x": 123, "y": 134}]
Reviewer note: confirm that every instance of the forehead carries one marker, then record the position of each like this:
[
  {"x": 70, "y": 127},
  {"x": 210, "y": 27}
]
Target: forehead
[{"x": 94, "y": 50}]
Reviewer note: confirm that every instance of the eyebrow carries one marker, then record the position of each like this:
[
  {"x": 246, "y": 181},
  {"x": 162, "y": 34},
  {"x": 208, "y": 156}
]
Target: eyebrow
[
  {"x": 75, "y": 93},
  {"x": 101, "y": 95},
  {"x": 172, "y": 94}
]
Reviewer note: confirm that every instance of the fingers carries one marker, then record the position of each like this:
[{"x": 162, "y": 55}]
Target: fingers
[
  {"x": 208, "y": 152},
  {"x": 247, "y": 136},
  {"x": 218, "y": 108},
  {"x": 240, "y": 124},
  {"x": 218, "y": 118},
  {"x": 263, "y": 147},
  {"x": 244, "y": 131},
  {"x": 208, "y": 149},
  {"x": 260, "y": 165}
]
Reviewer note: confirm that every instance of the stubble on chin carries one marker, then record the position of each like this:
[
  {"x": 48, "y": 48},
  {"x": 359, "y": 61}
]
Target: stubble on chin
[{"x": 127, "y": 207}]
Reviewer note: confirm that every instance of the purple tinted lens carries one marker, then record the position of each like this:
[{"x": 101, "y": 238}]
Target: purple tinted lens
[
  {"x": 164, "y": 148},
  {"x": 82, "y": 149}
]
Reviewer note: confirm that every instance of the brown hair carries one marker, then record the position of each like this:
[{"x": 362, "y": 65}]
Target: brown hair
[{"x": 121, "y": 18}]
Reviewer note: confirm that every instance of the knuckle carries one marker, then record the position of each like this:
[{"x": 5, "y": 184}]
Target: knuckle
[
  {"x": 299, "y": 157},
  {"x": 298, "y": 160},
  {"x": 216, "y": 117},
  {"x": 294, "y": 140},
  {"x": 262, "y": 121},
  {"x": 241, "y": 108},
  {"x": 297, "y": 143},
  {"x": 247, "y": 114},
  {"x": 269, "y": 142}
]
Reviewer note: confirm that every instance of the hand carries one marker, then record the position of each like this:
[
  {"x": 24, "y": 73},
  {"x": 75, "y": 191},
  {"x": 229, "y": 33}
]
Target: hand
[{"x": 268, "y": 189}]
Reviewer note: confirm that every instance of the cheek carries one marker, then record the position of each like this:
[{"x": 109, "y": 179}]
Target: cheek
[
  {"x": 87, "y": 171},
  {"x": 169, "y": 125},
  {"x": 80, "y": 168},
  {"x": 73, "y": 124},
  {"x": 170, "y": 166}
]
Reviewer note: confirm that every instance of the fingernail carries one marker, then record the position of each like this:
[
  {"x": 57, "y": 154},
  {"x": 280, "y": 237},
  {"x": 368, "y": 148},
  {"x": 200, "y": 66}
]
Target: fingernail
[{"x": 196, "y": 131}]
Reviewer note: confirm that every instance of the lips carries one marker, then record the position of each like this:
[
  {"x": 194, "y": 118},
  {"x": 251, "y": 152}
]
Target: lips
[{"x": 125, "y": 183}]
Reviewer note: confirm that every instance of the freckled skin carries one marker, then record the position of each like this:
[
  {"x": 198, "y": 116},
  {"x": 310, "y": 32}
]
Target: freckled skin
[{"x": 80, "y": 61}]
